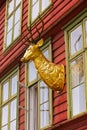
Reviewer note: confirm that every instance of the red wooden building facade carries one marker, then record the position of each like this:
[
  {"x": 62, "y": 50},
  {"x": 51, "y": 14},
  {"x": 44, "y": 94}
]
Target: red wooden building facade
[{"x": 26, "y": 103}]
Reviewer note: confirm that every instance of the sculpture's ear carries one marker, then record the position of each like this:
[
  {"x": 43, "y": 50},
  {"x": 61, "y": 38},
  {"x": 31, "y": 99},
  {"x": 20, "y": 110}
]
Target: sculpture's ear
[{"x": 40, "y": 43}]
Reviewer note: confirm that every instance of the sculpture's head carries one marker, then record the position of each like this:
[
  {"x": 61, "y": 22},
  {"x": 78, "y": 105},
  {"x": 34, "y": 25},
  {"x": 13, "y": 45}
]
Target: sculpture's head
[{"x": 32, "y": 52}]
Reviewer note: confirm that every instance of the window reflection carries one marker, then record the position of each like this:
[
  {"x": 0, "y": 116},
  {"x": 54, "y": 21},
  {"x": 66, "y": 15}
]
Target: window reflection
[
  {"x": 11, "y": 6},
  {"x": 13, "y": 125},
  {"x": 44, "y": 105},
  {"x": 77, "y": 71},
  {"x": 78, "y": 100},
  {"x": 16, "y": 30},
  {"x": 5, "y": 91},
  {"x": 5, "y": 115},
  {"x": 10, "y": 23},
  {"x": 32, "y": 72},
  {"x": 44, "y": 115},
  {"x": 14, "y": 85},
  {"x": 13, "y": 110},
  {"x": 45, "y": 4},
  {"x": 46, "y": 54},
  {"x": 38, "y": 6},
  {"x": 76, "y": 40},
  {"x": 44, "y": 93},
  {"x": 9, "y": 38},
  {"x": 18, "y": 2},
  {"x": 35, "y": 10},
  {"x": 17, "y": 15},
  {"x": 5, "y": 128}
]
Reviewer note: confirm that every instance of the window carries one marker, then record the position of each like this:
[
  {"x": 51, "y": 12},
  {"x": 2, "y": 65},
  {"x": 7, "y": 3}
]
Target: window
[
  {"x": 37, "y": 7},
  {"x": 39, "y": 97},
  {"x": 8, "y": 101},
  {"x": 13, "y": 21},
  {"x": 76, "y": 42}
]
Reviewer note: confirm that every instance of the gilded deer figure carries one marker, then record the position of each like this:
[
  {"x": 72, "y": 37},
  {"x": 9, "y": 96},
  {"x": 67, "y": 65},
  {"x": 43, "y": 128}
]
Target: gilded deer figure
[{"x": 51, "y": 74}]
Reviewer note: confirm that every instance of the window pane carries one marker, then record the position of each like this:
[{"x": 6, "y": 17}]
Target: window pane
[
  {"x": 32, "y": 72},
  {"x": 17, "y": 15},
  {"x": 46, "y": 54},
  {"x": 13, "y": 110},
  {"x": 13, "y": 125},
  {"x": 5, "y": 91},
  {"x": 86, "y": 30},
  {"x": 4, "y": 115},
  {"x": 9, "y": 38},
  {"x": 14, "y": 85},
  {"x": 11, "y": 6},
  {"x": 76, "y": 40},
  {"x": 17, "y": 2},
  {"x": 44, "y": 115},
  {"x": 78, "y": 100},
  {"x": 44, "y": 93},
  {"x": 33, "y": 108},
  {"x": 77, "y": 71},
  {"x": 34, "y": 1},
  {"x": 45, "y": 4},
  {"x": 35, "y": 10},
  {"x": 5, "y": 128},
  {"x": 16, "y": 30},
  {"x": 10, "y": 23}
]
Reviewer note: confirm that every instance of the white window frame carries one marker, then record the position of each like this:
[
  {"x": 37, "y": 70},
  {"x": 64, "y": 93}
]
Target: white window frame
[
  {"x": 79, "y": 20},
  {"x": 9, "y": 101},
  {"x": 40, "y": 10},
  {"x": 12, "y": 23}
]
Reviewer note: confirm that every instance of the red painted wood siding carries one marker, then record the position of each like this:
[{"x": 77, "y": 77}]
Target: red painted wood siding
[
  {"x": 54, "y": 20},
  {"x": 58, "y": 10},
  {"x": 21, "y": 98},
  {"x": 60, "y": 100}
]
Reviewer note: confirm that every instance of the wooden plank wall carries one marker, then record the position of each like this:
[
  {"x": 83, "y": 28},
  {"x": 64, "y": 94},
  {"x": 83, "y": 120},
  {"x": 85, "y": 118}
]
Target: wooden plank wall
[
  {"x": 9, "y": 59},
  {"x": 58, "y": 10},
  {"x": 59, "y": 100}
]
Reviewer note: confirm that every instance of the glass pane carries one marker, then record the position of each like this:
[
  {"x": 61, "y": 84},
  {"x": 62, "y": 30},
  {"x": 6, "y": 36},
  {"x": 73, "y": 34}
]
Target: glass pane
[
  {"x": 44, "y": 92},
  {"x": 35, "y": 10},
  {"x": 9, "y": 38},
  {"x": 17, "y": 15},
  {"x": 33, "y": 108},
  {"x": 78, "y": 100},
  {"x": 44, "y": 115},
  {"x": 10, "y": 23},
  {"x": 18, "y": 2},
  {"x": 11, "y": 6},
  {"x": 5, "y": 115},
  {"x": 45, "y": 4},
  {"x": 86, "y": 30},
  {"x": 76, "y": 40},
  {"x": 5, "y": 91},
  {"x": 16, "y": 30},
  {"x": 14, "y": 85},
  {"x": 34, "y": 1},
  {"x": 5, "y": 128},
  {"x": 77, "y": 71},
  {"x": 32, "y": 72},
  {"x": 13, "y": 125},
  {"x": 46, "y": 54},
  {"x": 13, "y": 110}
]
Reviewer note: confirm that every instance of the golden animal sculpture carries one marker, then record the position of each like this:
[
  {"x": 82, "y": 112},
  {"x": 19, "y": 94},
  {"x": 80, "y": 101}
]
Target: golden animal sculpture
[{"x": 51, "y": 74}]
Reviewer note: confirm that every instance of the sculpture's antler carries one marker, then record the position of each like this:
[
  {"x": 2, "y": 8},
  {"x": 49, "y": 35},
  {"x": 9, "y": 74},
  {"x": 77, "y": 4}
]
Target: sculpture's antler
[
  {"x": 37, "y": 30},
  {"x": 31, "y": 39}
]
